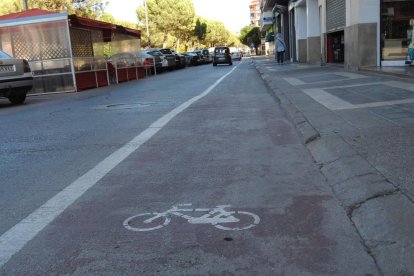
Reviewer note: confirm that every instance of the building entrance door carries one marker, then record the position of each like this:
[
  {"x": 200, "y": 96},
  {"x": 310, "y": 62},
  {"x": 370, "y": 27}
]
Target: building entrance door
[{"x": 335, "y": 47}]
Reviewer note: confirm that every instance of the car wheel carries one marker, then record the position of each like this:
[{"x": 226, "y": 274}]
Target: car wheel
[
  {"x": 214, "y": 64},
  {"x": 231, "y": 63},
  {"x": 17, "y": 99}
]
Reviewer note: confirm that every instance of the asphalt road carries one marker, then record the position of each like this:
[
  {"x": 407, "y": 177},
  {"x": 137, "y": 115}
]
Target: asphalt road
[{"x": 77, "y": 169}]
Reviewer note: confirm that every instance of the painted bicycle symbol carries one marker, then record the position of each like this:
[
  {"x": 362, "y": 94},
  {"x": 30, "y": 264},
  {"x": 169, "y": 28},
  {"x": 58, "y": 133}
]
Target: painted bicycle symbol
[{"x": 217, "y": 216}]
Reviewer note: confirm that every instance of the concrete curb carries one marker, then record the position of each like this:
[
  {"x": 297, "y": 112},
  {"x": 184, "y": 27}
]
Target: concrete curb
[
  {"x": 382, "y": 214},
  {"x": 307, "y": 132}
]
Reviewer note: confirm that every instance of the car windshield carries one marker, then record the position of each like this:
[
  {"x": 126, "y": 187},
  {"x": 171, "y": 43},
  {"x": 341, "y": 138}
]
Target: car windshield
[
  {"x": 155, "y": 53},
  {"x": 221, "y": 50},
  {"x": 4, "y": 55},
  {"x": 166, "y": 51}
]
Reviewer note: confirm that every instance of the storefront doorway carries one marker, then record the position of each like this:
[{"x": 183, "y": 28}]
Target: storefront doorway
[{"x": 335, "y": 47}]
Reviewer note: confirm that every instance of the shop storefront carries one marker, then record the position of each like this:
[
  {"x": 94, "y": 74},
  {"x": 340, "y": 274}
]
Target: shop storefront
[
  {"x": 335, "y": 25},
  {"x": 397, "y": 20}
]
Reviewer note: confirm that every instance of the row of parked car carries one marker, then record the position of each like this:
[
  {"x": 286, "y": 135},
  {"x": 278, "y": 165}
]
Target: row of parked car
[
  {"x": 167, "y": 59},
  {"x": 16, "y": 78}
]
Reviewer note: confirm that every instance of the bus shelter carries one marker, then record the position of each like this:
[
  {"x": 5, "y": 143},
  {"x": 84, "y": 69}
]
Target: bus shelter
[{"x": 66, "y": 53}]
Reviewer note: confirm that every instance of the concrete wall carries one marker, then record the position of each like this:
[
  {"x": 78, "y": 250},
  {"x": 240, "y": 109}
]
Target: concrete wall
[
  {"x": 313, "y": 32},
  {"x": 303, "y": 51},
  {"x": 314, "y": 49},
  {"x": 301, "y": 29},
  {"x": 360, "y": 45}
]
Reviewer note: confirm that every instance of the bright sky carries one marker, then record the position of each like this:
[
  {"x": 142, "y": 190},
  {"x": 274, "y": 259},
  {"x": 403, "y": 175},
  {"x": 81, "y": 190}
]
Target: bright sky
[{"x": 234, "y": 14}]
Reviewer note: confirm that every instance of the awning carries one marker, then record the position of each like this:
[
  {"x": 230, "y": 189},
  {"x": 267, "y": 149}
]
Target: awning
[
  {"x": 24, "y": 14},
  {"x": 107, "y": 28}
]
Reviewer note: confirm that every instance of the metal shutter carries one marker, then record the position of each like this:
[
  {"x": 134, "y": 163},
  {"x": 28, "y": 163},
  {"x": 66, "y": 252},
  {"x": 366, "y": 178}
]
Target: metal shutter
[{"x": 335, "y": 15}]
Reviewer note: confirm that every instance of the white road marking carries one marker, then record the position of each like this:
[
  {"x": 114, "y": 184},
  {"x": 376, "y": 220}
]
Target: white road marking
[
  {"x": 216, "y": 216},
  {"x": 19, "y": 235}
]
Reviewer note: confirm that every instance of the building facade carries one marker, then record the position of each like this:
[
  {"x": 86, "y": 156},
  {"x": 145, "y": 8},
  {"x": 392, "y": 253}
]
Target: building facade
[
  {"x": 255, "y": 13},
  {"x": 355, "y": 33}
]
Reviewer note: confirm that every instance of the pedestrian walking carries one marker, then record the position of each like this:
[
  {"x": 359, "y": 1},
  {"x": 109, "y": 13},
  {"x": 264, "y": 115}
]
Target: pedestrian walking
[{"x": 280, "y": 48}]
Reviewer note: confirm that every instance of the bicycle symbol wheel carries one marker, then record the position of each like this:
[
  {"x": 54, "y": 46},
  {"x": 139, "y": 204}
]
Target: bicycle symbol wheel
[
  {"x": 143, "y": 222},
  {"x": 247, "y": 220}
]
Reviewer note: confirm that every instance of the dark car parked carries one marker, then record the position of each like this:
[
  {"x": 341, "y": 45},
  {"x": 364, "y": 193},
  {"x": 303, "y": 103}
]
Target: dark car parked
[
  {"x": 192, "y": 59},
  {"x": 203, "y": 59},
  {"x": 179, "y": 60},
  {"x": 222, "y": 56}
]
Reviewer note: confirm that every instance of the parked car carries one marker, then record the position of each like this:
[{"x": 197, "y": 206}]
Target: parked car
[
  {"x": 179, "y": 60},
  {"x": 236, "y": 55},
  {"x": 170, "y": 57},
  {"x": 192, "y": 59},
  {"x": 201, "y": 56},
  {"x": 160, "y": 62},
  {"x": 206, "y": 55},
  {"x": 16, "y": 78},
  {"x": 222, "y": 56}
]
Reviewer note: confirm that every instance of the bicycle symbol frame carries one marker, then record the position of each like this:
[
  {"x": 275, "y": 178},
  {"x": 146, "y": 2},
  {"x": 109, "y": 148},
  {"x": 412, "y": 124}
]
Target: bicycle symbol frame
[{"x": 216, "y": 216}]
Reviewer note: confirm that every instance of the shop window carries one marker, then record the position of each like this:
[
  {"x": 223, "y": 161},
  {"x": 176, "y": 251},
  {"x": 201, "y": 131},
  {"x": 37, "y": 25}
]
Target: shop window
[{"x": 396, "y": 30}]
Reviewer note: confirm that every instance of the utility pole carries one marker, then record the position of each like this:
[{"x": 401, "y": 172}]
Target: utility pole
[
  {"x": 146, "y": 19},
  {"x": 25, "y": 6}
]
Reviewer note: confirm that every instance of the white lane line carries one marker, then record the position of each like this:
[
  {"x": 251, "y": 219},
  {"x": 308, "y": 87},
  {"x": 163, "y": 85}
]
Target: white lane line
[{"x": 16, "y": 238}]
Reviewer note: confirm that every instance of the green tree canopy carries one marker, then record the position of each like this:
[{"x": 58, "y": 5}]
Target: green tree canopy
[
  {"x": 85, "y": 8},
  {"x": 217, "y": 34},
  {"x": 170, "y": 17},
  {"x": 250, "y": 35}
]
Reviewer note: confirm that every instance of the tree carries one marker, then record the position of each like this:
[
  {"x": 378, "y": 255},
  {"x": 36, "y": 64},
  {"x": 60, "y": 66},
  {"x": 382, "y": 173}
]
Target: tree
[
  {"x": 169, "y": 17},
  {"x": 84, "y": 8},
  {"x": 200, "y": 31},
  {"x": 250, "y": 35},
  {"x": 10, "y": 6},
  {"x": 217, "y": 34}
]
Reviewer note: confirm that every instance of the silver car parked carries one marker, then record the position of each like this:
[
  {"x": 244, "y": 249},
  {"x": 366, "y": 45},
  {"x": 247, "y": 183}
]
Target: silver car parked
[{"x": 16, "y": 78}]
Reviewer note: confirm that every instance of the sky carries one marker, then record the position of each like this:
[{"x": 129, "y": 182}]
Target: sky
[{"x": 234, "y": 14}]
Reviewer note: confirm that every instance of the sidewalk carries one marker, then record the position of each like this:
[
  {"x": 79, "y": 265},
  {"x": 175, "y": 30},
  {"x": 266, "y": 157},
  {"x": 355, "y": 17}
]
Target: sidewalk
[
  {"x": 358, "y": 127},
  {"x": 397, "y": 71}
]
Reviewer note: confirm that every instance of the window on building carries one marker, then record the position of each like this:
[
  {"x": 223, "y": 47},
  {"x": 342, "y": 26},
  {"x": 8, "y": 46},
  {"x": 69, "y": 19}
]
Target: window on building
[{"x": 396, "y": 28}]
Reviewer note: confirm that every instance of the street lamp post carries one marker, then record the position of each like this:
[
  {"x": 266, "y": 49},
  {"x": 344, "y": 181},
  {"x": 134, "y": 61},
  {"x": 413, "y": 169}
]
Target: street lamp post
[{"x": 146, "y": 19}]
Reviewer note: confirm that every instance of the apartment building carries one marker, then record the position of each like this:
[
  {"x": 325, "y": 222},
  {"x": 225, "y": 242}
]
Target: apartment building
[
  {"x": 355, "y": 33},
  {"x": 255, "y": 12}
]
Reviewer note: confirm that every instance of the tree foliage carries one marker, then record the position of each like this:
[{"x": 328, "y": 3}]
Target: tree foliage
[
  {"x": 170, "y": 17},
  {"x": 84, "y": 8},
  {"x": 200, "y": 30},
  {"x": 250, "y": 35},
  {"x": 170, "y": 25}
]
